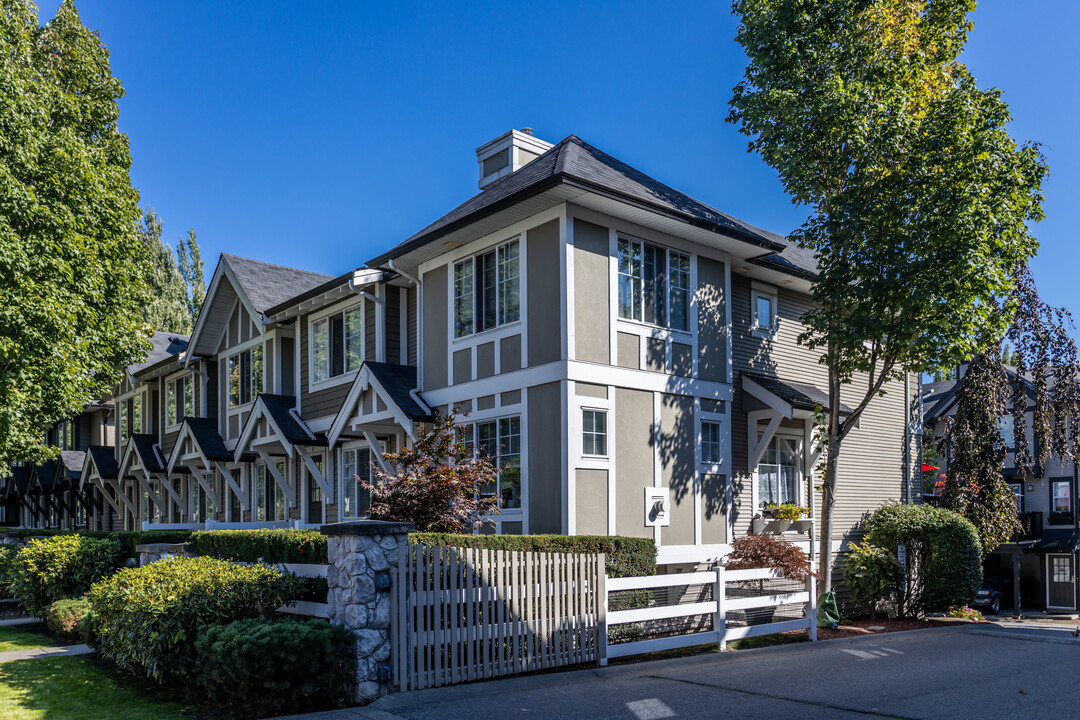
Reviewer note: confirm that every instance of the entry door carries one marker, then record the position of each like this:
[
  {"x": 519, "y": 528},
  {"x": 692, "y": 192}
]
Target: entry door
[{"x": 1060, "y": 591}]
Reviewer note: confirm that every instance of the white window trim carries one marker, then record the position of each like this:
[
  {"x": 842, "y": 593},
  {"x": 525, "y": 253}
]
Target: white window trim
[
  {"x": 170, "y": 425},
  {"x": 690, "y": 290},
  {"x": 800, "y": 480},
  {"x": 471, "y": 256},
  {"x": 607, "y": 432},
  {"x": 494, "y": 415},
  {"x": 337, "y": 309},
  {"x": 709, "y": 468},
  {"x": 760, "y": 290},
  {"x": 349, "y": 446},
  {"x": 223, "y": 359}
]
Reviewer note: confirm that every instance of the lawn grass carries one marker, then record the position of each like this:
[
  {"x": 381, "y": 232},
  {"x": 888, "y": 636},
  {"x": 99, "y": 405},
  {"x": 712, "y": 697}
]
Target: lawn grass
[
  {"x": 84, "y": 688},
  {"x": 25, "y": 637}
]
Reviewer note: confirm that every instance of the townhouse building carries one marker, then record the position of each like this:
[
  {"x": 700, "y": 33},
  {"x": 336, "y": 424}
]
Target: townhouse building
[{"x": 627, "y": 354}]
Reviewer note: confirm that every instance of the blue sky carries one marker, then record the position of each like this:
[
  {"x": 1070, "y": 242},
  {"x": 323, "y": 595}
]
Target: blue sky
[{"x": 318, "y": 134}]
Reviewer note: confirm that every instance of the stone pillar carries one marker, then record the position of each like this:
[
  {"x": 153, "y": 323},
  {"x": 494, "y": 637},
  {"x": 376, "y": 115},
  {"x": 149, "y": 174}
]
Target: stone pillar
[{"x": 363, "y": 556}]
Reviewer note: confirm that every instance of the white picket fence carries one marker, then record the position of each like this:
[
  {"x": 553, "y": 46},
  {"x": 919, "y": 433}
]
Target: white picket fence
[
  {"x": 463, "y": 614},
  {"x": 718, "y": 607}
]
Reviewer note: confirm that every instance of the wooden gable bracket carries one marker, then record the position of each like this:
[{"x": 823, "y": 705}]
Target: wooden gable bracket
[
  {"x": 168, "y": 487},
  {"x": 208, "y": 488},
  {"x": 118, "y": 493},
  {"x": 756, "y": 447},
  {"x": 271, "y": 467},
  {"x": 377, "y": 453},
  {"x": 237, "y": 489},
  {"x": 317, "y": 474},
  {"x": 155, "y": 495},
  {"x": 109, "y": 498}
]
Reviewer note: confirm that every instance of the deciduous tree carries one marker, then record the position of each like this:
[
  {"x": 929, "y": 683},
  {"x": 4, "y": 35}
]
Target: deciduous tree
[
  {"x": 71, "y": 263},
  {"x": 919, "y": 197},
  {"x": 177, "y": 285}
]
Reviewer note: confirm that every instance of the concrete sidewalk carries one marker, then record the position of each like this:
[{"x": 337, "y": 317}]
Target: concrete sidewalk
[
  {"x": 916, "y": 674},
  {"x": 65, "y": 651}
]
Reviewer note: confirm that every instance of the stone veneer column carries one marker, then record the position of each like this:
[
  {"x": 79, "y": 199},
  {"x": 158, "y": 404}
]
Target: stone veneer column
[{"x": 363, "y": 555}]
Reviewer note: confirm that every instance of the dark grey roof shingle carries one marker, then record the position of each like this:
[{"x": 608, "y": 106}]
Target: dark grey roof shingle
[
  {"x": 165, "y": 345},
  {"x": 278, "y": 406},
  {"x": 398, "y": 381},
  {"x": 802, "y": 396},
  {"x": 205, "y": 433},
  {"x": 144, "y": 445},
  {"x": 267, "y": 285},
  {"x": 104, "y": 460},
  {"x": 574, "y": 160}
]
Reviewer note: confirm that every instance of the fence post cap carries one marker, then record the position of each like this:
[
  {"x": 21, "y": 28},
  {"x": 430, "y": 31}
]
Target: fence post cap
[{"x": 367, "y": 527}]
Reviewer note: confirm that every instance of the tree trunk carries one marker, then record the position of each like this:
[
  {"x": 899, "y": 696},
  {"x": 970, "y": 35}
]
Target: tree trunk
[{"x": 828, "y": 485}]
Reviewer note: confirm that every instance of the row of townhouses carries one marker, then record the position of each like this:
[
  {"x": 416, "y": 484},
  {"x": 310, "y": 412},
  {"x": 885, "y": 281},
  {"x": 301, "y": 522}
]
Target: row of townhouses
[
  {"x": 626, "y": 353},
  {"x": 1038, "y": 564}
]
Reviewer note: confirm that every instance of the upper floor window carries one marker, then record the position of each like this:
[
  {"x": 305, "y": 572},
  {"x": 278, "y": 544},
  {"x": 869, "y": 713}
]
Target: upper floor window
[
  {"x": 1061, "y": 499},
  {"x": 763, "y": 311},
  {"x": 654, "y": 284},
  {"x": 487, "y": 290},
  {"x": 245, "y": 375},
  {"x": 64, "y": 436},
  {"x": 337, "y": 343},
  {"x": 1018, "y": 490},
  {"x": 594, "y": 433},
  {"x": 130, "y": 417},
  {"x": 710, "y": 442},
  {"x": 1007, "y": 430},
  {"x": 179, "y": 399}
]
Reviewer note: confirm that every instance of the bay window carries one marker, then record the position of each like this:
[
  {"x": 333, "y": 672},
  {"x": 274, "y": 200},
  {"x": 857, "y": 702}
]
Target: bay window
[
  {"x": 778, "y": 471},
  {"x": 487, "y": 290},
  {"x": 245, "y": 376},
  {"x": 337, "y": 343},
  {"x": 179, "y": 400},
  {"x": 654, "y": 284}
]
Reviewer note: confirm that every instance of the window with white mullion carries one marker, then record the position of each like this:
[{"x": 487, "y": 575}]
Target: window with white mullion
[
  {"x": 594, "y": 433},
  {"x": 245, "y": 376},
  {"x": 487, "y": 290},
  {"x": 355, "y": 467},
  {"x": 337, "y": 343},
  {"x": 710, "y": 442},
  {"x": 500, "y": 441},
  {"x": 778, "y": 471},
  {"x": 179, "y": 399},
  {"x": 654, "y": 284}
]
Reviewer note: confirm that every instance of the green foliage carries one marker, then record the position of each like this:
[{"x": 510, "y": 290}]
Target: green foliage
[
  {"x": 189, "y": 261},
  {"x": 920, "y": 200},
  {"x": 7, "y": 559},
  {"x": 965, "y": 612},
  {"x": 72, "y": 278},
  {"x": 272, "y": 545},
  {"x": 64, "y": 566},
  {"x": 767, "y": 551},
  {"x": 872, "y": 574},
  {"x": 944, "y": 557},
  {"x": 623, "y": 556},
  {"x": 789, "y": 512},
  {"x": 276, "y": 667},
  {"x": 71, "y": 620},
  {"x": 148, "y": 618},
  {"x": 127, "y": 539},
  {"x": 176, "y": 282},
  {"x": 437, "y": 484}
]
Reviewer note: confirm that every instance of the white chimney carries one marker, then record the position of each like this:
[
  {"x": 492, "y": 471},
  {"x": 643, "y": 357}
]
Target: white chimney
[{"x": 507, "y": 153}]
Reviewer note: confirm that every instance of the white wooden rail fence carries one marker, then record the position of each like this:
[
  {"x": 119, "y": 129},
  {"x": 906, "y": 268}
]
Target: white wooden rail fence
[
  {"x": 304, "y": 607},
  {"x": 462, "y": 614},
  {"x": 718, "y": 607}
]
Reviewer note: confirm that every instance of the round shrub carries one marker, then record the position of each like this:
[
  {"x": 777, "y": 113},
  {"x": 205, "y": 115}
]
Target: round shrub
[
  {"x": 273, "y": 667},
  {"x": 148, "y": 618},
  {"x": 872, "y": 574},
  {"x": 944, "y": 557},
  {"x": 63, "y": 566},
  {"x": 71, "y": 620}
]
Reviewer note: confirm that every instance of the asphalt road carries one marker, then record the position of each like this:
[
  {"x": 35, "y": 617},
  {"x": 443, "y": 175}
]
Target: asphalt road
[{"x": 968, "y": 671}]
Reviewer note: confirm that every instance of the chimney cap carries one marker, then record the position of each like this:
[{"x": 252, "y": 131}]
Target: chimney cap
[{"x": 527, "y": 130}]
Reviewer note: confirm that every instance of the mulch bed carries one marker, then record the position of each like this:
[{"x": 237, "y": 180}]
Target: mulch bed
[{"x": 859, "y": 627}]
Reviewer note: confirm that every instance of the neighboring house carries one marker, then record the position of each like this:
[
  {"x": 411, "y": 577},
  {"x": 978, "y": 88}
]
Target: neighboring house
[
  {"x": 1040, "y": 562},
  {"x": 627, "y": 353}
]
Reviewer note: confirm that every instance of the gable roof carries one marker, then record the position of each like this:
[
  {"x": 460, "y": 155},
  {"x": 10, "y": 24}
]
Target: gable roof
[
  {"x": 144, "y": 445},
  {"x": 205, "y": 434},
  {"x": 70, "y": 463},
  {"x": 399, "y": 381},
  {"x": 104, "y": 461},
  {"x": 575, "y": 162},
  {"x": 801, "y": 396},
  {"x": 289, "y": 430},
  {"x": 267, "y": 285}
]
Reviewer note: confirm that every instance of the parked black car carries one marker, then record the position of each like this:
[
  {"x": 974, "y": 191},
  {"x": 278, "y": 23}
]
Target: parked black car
[{"x": 989, "y": 597}]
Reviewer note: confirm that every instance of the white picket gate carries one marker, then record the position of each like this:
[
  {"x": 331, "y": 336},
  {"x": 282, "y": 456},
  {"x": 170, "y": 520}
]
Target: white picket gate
[
  {"x": 719, "y": 607},
  {"x": 463, "y": 614}
]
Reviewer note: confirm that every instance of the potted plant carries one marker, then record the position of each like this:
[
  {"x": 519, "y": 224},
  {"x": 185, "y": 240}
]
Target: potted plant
[{"x": 783, "y": 515}]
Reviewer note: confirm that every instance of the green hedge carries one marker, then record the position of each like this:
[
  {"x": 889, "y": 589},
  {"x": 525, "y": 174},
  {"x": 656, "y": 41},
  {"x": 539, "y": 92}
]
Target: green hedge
[
  {"x": 127, "y": 539},
  {"x": 276, "y": 667},
  {"x": 64, "y": 566},
  {"x": 623, "y": 556},
  {"x": 148, "y": 618},
  {"x": 266, "y": 545}
]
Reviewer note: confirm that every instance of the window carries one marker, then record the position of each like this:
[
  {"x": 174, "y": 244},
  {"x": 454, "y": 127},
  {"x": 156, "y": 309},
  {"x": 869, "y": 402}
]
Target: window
[
  {"x": 268, "y": 501},
  {"x": 355, "y": 466},
  {"x": 594, "y": 433},
  {"x": 487, "y": 290},
  {"x": 179, "y": 400},
  {"x": 1018, "y": 490},
  {"x": 245, "y": 376},
  {"x": 1061, "y": 499},
  {"x": 130, "y": 417},
  {"x": 1061, "y": 569},
  {"x": 778, "y": 471},
  {"x": 1006, "y": 429},
  {"x": 763, "y": 307},
  {"x": 196, "y": 500},
  {"x": 315, "y": 493},
  {"x": 337, "y": 343},
  {"x": 499, "y": 440},
  {"x": 654, "y": 284},
  {"x": 710, "y": 442}
]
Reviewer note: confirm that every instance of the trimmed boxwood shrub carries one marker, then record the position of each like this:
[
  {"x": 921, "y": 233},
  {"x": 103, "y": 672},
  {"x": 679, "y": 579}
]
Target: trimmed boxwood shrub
[
  {"x": 623, "y": 556},
  {"x": 71, "y": 620},
  {"x": 63, "y": 566},
  {"x": 944, "y": 556},
  {"x": 148, "y": 618},
  {"x": 265, "y": 545},
  {"x": 274, "y": 667},
  {"x": 128, "y": 539}
]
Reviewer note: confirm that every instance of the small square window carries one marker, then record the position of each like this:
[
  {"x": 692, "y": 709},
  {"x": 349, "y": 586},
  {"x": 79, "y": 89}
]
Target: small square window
[{"x": 594, "y": 433}]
